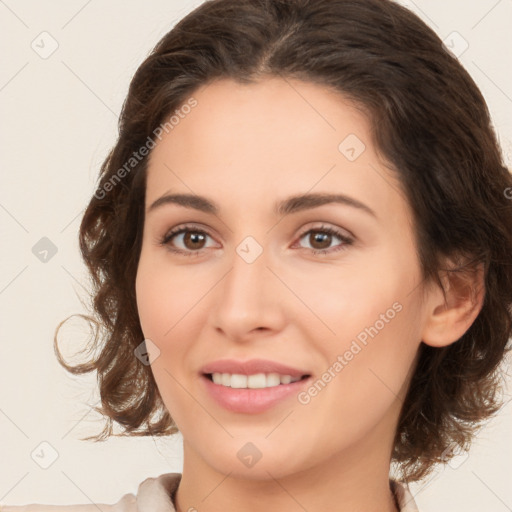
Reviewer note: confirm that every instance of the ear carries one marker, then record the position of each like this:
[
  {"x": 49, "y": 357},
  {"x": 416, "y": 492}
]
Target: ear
[{"x": 448, "y": 319}]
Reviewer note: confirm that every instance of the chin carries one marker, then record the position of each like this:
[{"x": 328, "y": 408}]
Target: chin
[{"x": 258, "y": 459}]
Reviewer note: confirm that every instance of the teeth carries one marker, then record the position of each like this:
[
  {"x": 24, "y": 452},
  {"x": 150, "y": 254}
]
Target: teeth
[
  {"x": 256, "y": 381},
  {"x": 237, "y": 381}
]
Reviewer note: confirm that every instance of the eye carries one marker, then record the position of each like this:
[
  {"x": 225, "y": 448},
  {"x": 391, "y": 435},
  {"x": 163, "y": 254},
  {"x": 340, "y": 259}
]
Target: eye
[
  {"x": 193, "y": 239},
  {"x": 322, "y": 237}
]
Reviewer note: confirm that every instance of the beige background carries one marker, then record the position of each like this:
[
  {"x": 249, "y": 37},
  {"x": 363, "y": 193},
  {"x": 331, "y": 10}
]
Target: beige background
[{"x": 59, "y": 116}]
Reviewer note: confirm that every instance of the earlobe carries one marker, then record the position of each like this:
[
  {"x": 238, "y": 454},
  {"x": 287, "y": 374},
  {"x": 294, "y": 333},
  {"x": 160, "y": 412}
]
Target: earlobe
[{"x": 450, "y": 315}]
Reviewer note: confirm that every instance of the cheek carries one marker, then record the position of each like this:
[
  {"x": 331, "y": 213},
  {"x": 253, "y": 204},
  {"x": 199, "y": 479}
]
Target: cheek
[
  {"x": 166, "y": 295},
  {"x": 369, "y": 368},
  {"x": 374, "y": 319},
  {"x": 168, "y": 302}
]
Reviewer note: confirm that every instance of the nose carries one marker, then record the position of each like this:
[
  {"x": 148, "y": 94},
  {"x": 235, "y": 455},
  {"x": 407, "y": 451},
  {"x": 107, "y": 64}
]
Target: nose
[{"x": 250, "y": 298}]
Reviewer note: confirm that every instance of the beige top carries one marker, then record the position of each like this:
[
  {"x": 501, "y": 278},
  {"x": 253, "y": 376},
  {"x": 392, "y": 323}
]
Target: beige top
[{"x": 155, "y": 495}]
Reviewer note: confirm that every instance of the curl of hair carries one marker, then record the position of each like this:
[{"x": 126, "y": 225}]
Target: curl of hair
[{"x": 430, "y": 124}]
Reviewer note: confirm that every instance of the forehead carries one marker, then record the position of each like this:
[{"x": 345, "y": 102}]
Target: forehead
[
  {"x": 267, "y": 115},
  {"x": 272, "y": 138}
]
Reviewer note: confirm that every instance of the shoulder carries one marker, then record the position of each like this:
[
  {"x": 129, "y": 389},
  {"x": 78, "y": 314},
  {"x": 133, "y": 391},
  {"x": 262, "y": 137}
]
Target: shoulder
[
  {"x": 57, "y": 508},
  {"x": 152, "y": 493},
  {"x": 403, "y": 496}
]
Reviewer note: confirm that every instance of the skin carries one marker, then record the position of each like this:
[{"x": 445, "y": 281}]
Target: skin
[{"x": 246, "y": 147}]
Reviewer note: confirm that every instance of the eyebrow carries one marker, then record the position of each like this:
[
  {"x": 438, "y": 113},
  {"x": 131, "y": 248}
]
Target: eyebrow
[{"x": 287, "y": 206}]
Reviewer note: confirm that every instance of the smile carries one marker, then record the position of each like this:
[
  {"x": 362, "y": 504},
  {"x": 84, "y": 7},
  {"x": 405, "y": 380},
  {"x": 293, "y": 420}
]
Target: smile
[
  {"x": 254, "y": 400},
  {"x": 255, "y": 381}
]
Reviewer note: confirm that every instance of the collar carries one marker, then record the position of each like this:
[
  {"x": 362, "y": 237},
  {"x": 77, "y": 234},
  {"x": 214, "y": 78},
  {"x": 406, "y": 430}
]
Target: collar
[{"x": 155, "y": 494}]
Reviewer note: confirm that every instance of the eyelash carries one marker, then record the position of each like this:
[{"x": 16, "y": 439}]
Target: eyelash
[{"x": 164, "y": 241}]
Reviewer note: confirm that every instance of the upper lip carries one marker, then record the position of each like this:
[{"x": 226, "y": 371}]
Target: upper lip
[{"x": 251, "y": 367}]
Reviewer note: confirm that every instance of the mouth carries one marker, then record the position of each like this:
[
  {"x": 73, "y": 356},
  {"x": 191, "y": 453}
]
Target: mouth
[
  {"x": 253, "y": 386},
  {"x": 254, "y": 381}
]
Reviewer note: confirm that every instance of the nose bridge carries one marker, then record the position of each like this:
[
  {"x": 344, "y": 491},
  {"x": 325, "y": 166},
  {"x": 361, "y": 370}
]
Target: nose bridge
[{"x": 247, "y": 297}]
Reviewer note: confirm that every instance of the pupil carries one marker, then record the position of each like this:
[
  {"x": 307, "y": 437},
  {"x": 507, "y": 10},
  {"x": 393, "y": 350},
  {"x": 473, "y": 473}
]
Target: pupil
[
  {"x": 319, "y": 236},
  {"x": 194, "y": 237}
]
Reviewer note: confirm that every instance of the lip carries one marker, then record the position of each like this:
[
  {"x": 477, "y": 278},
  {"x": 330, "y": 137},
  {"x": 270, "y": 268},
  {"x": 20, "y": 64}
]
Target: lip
[
  {"x": 252, "y": 401},
  {"x": 251, "y": 367}
]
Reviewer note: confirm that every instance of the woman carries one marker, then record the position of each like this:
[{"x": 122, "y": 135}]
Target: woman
[{"x": 301, "y": 250}]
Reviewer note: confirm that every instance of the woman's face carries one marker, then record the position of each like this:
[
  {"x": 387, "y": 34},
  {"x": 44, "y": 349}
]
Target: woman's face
[{"x": 265, "y": 287}]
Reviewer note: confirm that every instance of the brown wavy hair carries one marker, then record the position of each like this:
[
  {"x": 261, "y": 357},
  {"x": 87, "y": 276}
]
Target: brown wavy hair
[{"x": 432, "y": 125}]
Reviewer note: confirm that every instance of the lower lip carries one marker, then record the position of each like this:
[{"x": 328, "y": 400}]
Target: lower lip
[{"x": 252, "y": 401}]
